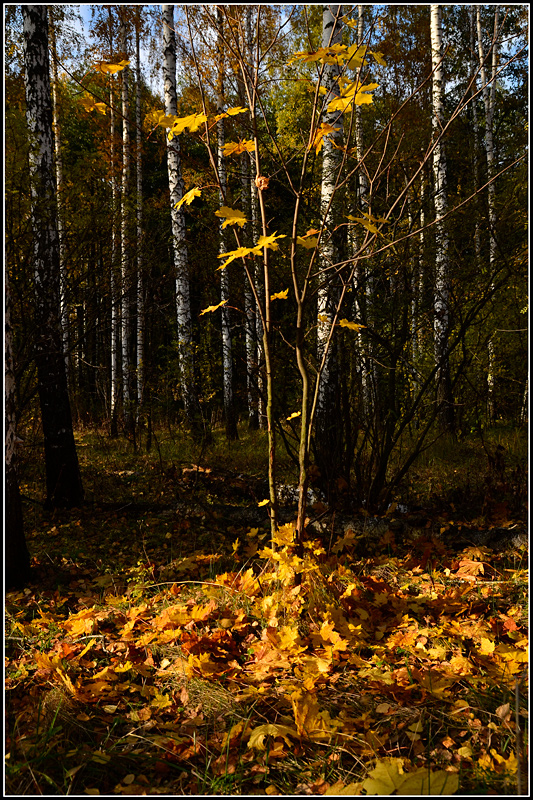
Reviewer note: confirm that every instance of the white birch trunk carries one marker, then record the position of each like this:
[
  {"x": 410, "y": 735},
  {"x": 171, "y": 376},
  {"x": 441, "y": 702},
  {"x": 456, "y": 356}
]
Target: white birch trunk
[
  {"x": 489, "y": 95},
  {"x": 246, "y": 200},
  {"x": 418, "y": 282},
  {"x": 261, "y": 410},
  {"x": 124, "y": 230},
  {"x": 364, "y": 280},
  {"x": 139, "y": 217},
  {"x": 179, "y": 245},
  {"x": 227, "y": 355},
  {"x": 475, "y": 159},
  {"x": 326, "y": 423},
  {"x": 114, "y": 282},
  {"x": 63, "y": 307},
  {"x": 442, "y": 289},
  {"x": 249, "y": 304}
]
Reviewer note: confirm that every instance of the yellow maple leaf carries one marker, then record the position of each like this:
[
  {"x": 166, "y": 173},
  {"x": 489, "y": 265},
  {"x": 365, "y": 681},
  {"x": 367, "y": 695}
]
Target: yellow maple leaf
[
  {"x": 189, "y": 197},
  {"x": 90, "y": 104},
  {"x": 379, "y": 58},
  {"x": 235, "y": 148},
  {"x": 353, "y": 326},
  {"x": 109, "y": 69},
  {"x": 388, "y": 776},
  {"x": 160, "y": 118},
  {"x": 280, "y": 295},
  {"x": 506, "y": 765},
  {"x": 239, "y": 253},
  {"x": 293, "y": 415},
  {"x": 308, "y": 243},
  {"x": 269, "y": 242},
  {"x": 193, "y": 122},
  {"x": 355, "y": 56},
  {"x": 258, "y": 735},
  {"x": 263, "y": 502},
  {"x": 230, "y": 112},
  {"x": 232, "y": 216},
  {"x": 289, "y": 638},
  {"x": 318, "y": 140},
  {"x": 213, "y": 308},
  {"x": 486, "y": 647}
]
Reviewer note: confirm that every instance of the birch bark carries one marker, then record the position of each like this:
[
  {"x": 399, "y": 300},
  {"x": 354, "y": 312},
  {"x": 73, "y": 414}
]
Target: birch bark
[
  {"x": 114, "y": 282},
  {"x": 179, "y": 243},
  {"x": 441, "y": 301},
  {"x": 139, "y": 222},
  {"x": 327, "y": 420},
  {"x": 489, "y": 96},
  {"x": 124, "y": 236},
  {"x": 227, "y": 349},
  {"x": 59, "y": 185}
]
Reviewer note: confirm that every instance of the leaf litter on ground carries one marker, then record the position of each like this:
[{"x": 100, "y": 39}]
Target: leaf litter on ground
[{"x": 397, "y": 671}]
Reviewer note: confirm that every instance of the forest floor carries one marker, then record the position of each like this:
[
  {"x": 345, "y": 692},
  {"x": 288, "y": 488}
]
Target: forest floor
[{"x": 164, "y": 648}]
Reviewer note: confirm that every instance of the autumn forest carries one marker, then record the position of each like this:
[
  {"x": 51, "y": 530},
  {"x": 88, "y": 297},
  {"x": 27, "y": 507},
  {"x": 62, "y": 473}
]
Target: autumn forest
[{"x": 266, "y": 399}]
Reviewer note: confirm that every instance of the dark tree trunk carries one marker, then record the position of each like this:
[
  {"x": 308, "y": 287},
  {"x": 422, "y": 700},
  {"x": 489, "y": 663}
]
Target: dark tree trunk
[
  {"x": 63, "y": 480},
  {"x": 17, "y": 557}
]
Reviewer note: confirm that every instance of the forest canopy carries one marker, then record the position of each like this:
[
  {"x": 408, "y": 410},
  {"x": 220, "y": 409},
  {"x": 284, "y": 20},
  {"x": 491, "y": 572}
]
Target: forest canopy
[{"x": 270, "y": 219}]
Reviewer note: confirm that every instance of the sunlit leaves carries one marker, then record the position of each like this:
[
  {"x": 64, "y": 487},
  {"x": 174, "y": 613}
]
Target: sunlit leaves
[
  {"x": 230, "y": 112},
  {"x": 193, "y": 122},
  {"x": 352, "y": 94},
  {"x": 231, "y": 216},
  {"x": 177, "y": 125},
  {"x": 160, "y": 118},
  {"x": 293, "y": 415},
  {"x": 90, "y": 104},
  {"x": 368, "y": 221},
  {"x": 353, "y": 56},
  {"x": 354, "y": 326},
  {"x": 308, "y": 242},
  {"x": 270, "y": 242},
  {"x": 280, "y": 295},
  {"x": 258, "y": 735},
  {"x": 325, "y": 129},
  {"x": 105, "y": 68},
  {"x": 236, "y": 148},
  {"x": 240, "y": 252},
  {"x": 388, "y": 776},
  {"x": 189, "y": 197},
  {"x": 266, "y": 242},
  {"x": 209, "y": 309},
  {"x": 379, "y": 58}
]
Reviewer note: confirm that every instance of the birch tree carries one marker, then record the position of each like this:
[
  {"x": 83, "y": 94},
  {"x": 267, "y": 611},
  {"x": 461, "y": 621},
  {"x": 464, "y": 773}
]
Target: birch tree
[
  {"x": 59, "y": 185},
  {"x": 253, "y": 332},
  {"x": 114, "y": 282},
  {"x": 363, "y": 284},
  {"x": 63, "y": 480},
  {"x": 139, "y": 219},
  {"x": 328, "y": 428},
  {"x": 124, "y": 232},
  {"x": 179, "y": 243},
  {"x": 227, "y": 354},
  {"x": 488, "y": 87},
  {"x": 441, "y": 322}
]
